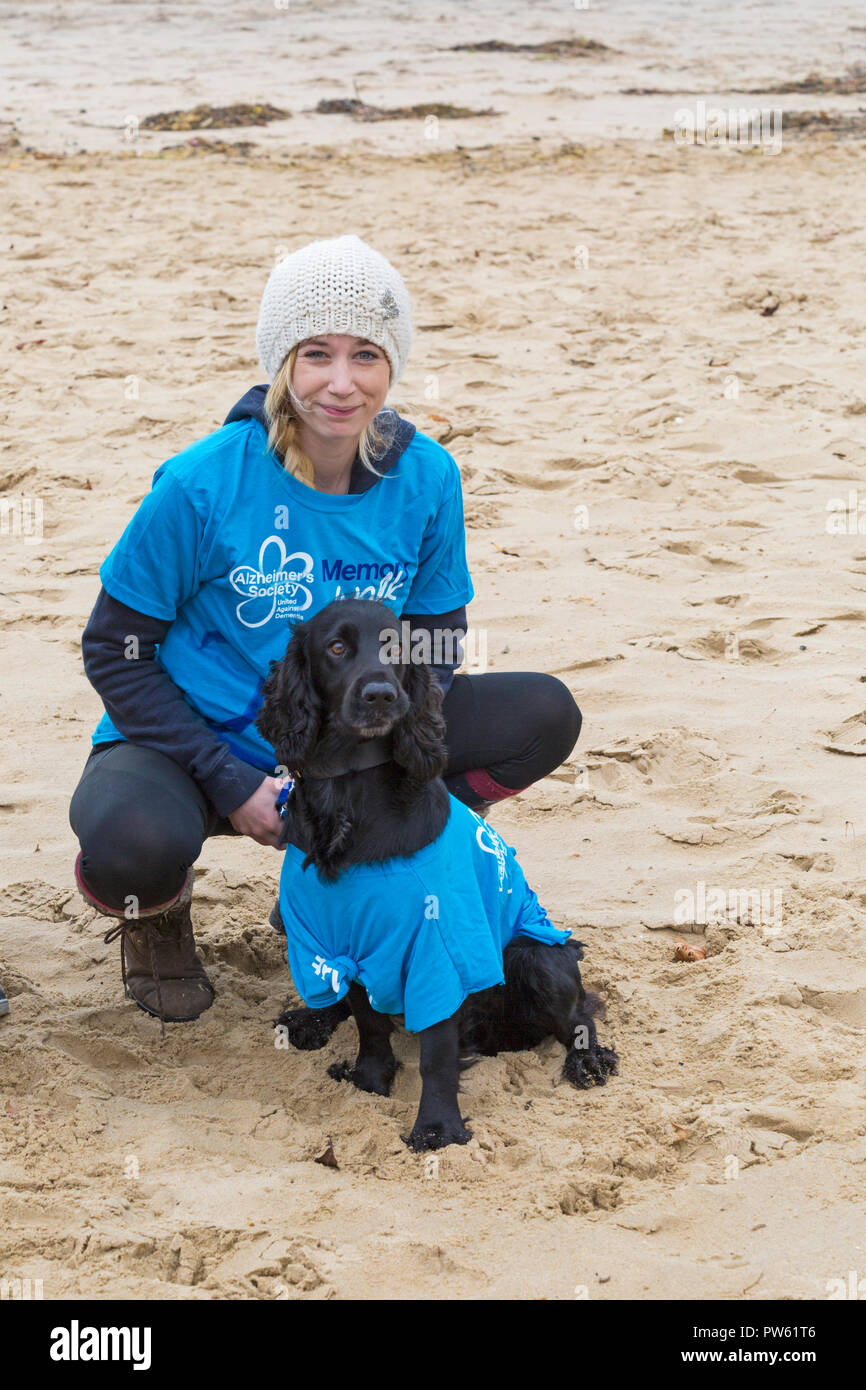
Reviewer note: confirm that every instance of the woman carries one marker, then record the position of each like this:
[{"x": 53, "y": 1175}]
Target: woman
[{"x": 311, "y": 490}]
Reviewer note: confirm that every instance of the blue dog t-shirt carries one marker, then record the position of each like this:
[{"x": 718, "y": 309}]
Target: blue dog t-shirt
[
  {"x": 232, "y": 550},
  {"x": 420, "y": 933}
]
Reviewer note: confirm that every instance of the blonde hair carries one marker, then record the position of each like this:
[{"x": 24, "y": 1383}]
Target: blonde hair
[{"x": 282, "y": 410}]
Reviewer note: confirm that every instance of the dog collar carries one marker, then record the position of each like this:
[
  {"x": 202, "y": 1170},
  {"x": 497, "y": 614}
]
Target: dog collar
[{"x": 371, "y": 753}]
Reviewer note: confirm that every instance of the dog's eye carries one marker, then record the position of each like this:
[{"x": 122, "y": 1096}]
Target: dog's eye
[{"x": 337, "y": 647}]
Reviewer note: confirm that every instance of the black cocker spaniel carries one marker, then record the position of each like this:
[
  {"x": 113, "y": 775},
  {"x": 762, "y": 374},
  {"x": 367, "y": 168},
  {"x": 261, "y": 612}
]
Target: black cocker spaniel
[{"x": 362, "y": 733}]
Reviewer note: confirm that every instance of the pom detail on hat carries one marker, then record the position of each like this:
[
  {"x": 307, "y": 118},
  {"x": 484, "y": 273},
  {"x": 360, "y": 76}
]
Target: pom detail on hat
[{"x": 340, "y": 285}]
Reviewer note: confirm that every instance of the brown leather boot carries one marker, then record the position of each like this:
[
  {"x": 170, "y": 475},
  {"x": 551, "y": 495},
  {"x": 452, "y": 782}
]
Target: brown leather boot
[{"x": 161, "y": 970}]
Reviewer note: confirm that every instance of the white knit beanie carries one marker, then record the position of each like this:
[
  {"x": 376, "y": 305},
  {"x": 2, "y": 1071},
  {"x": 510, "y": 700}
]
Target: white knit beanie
[{"x": 337, "y": 286}]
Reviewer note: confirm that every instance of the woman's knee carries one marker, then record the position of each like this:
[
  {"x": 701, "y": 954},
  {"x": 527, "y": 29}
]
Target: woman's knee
[
  {"x": 543, "y": 737},
  {"x": 140, "y": 821},
  {"x": 555, "y": 715},
  {"x": 136, "y": 854}
]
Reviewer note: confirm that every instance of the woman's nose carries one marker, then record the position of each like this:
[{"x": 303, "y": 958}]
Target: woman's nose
[{"x": 341, "y": 382}]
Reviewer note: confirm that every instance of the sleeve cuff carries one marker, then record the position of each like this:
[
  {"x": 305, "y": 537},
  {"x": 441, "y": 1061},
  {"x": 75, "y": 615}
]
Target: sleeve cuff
[
  {"x": 231, "y": 784},
  {"x": 443, "y": 676}
]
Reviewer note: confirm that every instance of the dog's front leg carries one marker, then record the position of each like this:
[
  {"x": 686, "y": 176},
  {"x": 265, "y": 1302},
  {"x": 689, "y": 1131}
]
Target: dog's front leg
[
  {"x": 439, "y": 1120},
  {"x": 376, "y": 1065},
  {"x": 310, "y": 1029},
  {"x": 307, "y": 1029}
]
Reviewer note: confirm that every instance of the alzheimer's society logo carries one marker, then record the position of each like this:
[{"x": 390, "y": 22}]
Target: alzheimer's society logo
[{"x": 278, "y": 588}]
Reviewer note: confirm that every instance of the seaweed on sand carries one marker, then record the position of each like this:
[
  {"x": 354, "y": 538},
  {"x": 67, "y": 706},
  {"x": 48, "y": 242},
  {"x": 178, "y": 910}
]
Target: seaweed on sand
[
  {"x": 213, "y": 117},
  {"x": 836, "y": 122},
  {"x": 361, "y": 111},
  {"x": 850, "y": 85},
  {"x": 550, "y": 48}
]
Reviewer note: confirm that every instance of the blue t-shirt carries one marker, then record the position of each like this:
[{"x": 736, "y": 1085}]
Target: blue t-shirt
[
  {"x": 231, "y": 549},
  {"x": 420, "y": 933}
]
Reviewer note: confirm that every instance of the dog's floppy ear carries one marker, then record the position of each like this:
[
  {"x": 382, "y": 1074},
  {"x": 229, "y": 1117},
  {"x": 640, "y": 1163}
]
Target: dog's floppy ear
[
  {"x": 291, "y": 714},
  {"x": 419, "y": 737}
]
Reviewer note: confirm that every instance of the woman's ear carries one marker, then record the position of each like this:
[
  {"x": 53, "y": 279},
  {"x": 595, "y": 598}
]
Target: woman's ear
[
  {"x": 419, "y": 737},
  {"x": 290, "y": 717}
]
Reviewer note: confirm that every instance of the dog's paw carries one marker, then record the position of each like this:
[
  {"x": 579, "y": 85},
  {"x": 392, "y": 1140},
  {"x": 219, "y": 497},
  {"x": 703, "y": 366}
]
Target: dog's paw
[
  {"x": 310, "y": 1029},
  {"x": 437, "y": 1136},
  {"x": 585, "y": 1069},
  {"x": 372, "y": 1074}
]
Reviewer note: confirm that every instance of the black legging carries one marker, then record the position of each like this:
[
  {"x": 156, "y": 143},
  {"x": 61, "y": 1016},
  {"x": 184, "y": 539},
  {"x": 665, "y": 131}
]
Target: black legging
[{"x": 141, "y": 819}]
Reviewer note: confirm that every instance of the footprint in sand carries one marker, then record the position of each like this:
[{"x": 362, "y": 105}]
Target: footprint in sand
[
  {"x": 849, "y": 736},
  {"x": 719, "y": 645}
]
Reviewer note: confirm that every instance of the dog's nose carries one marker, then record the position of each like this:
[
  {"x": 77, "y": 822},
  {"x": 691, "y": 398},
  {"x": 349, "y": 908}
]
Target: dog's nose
[{"x": 378, "y": 694}]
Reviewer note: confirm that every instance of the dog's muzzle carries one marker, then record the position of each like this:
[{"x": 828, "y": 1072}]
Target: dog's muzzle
[{"x": 374, "y": 707}]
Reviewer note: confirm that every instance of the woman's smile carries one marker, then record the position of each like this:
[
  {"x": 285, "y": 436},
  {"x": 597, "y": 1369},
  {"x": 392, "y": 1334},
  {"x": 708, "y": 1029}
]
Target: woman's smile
[{"x": 338, "y": 412}]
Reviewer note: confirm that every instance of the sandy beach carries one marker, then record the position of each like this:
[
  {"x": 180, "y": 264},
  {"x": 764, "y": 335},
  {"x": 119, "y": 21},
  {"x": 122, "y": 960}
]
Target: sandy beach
[{"x": 647, "y": 359}]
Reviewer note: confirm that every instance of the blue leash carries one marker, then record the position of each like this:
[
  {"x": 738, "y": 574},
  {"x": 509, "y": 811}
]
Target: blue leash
[{"x": 283, "y": 798}]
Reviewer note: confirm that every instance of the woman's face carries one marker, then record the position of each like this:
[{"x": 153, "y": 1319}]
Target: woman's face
[{"x": 343, "y": 381}]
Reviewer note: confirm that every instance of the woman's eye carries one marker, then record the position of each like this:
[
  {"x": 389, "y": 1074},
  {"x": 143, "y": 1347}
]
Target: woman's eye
[{"x": 337, "y": 648}]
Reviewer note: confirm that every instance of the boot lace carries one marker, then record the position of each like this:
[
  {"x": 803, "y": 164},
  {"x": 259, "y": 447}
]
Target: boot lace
[{"x": 122, "y": 931}]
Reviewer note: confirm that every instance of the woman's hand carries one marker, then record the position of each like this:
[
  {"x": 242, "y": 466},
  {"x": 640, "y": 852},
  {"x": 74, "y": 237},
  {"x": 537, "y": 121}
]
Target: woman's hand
[{"x": 258, "y": 817}]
